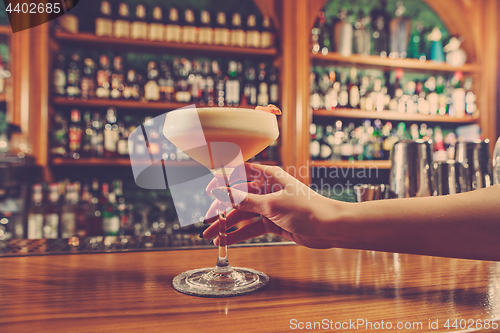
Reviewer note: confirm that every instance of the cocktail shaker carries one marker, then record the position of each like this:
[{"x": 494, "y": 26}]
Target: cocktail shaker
[
  {"x": 449, "y": 177},
  {"x": 369, "y": 192},
  {"x": 475, "y": 156},
  {"x": 410, "y": 174}
]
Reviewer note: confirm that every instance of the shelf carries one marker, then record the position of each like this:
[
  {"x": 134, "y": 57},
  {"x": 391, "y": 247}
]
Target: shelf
[
  {"x": 386, "y": 63},
  {"x": 125, "y": 162},
  {"x": 352, "y": 164},
  {"x": 5, "y": 30},
  {"x": 91, "y": 39},
  {"x": 392, "y": 115},
  {"x": 3, "y": 98},
  {"x": 127, "y": 104}
]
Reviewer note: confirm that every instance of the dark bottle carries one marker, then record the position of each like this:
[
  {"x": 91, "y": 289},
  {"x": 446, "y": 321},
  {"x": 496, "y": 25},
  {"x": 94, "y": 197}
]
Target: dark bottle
[
  {"x": 172, "y": 28},
  {"x": 87, "y": 135},
  {"x": 263, "y": 94},
  {"x": 208, "y": 94},
  {"x": 221, "y": 31},
  {"x": 35, "y": 213},
  {"x": 103, "y": 77},
  {"x": 253, "y": 33},
  {"x": 220, "y": 84},
  {"x": 51, "y": 214},
  {"x": 361, "y": 42},
  {"x": 206, "y": 31},
  {"x": 273, "y": 86},
  {"x": 82, "y": 212},
  {"x": 250, "y": 88},
  {"x": 122, "y": 145},
  {"x": 380, "y": 23},
  {"x": 238, "y": 35},
  {"x": 151, "y": 88},
  {"x": 97, "y": 142},
  {"x": 343, "y": 34},
  {"x": 111, "y": 134},
  {"x": 156, "y": 27},
  {"x": 73, "y": 75},
  {"x": 121, "y": 26},
  {"x": 88, "y": 79},
  {"x": 232, "y": 85},
  {"x": 75, "y": 134},
  {"x": 59, "y": 136},
  {"x": 314, "y": 145},
  {"x": 139, "y": 26},
  {"x": 68, "y": 212},
  {"x": 59, "y": 76},
  {"x": 131, "y": 87},
  {"x": 195, "y": 82},
  {"x": 189, "y": 29},
  {"x": 183, "y": 69},
  {"x": 166, "y": 83},
  {"x": 267, "y": 33},
  {"x": 110, "y": 217},
  {"x": 94, "y": 217},
  {"x": 117, "y": 78},
  {"x": 104, "y": 22}
]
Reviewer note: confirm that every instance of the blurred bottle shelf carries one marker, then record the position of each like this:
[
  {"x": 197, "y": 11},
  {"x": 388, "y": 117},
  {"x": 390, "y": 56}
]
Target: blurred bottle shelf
[
  {"x": 127, "y": 104},
  {"x": 352, "y": 164},
  {"x": 5, "y": 30},
  {"x": 91, "y": 39},
  {"x": 392, "y": 115},
  {"x": 125, "y": 162},
  {"x": 386, "y": 63}
]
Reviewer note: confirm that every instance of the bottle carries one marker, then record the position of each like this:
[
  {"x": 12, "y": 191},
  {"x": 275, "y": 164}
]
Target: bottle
[
  {"x": 166, "y": 83},
  {"x": 325, "y": 150},
  {"x": 73, "y": 75},
  {"x": 121, "y": 26},
  {"x": 103, "y": 77},
  {"x": 250, "y": 87},
  {"x": 220, "y": 84},
  {"x": 139, "y": 27},
  {"x": 82, "y": 211},
  {"x": 232, "y": 85},
  {"x": 400, "y": 29},
  {"x": 87, "y": 135},
  {"x": 111, "y": 134},
  {"x": 59, "y": 77},
  {"x": 35, "y": 213},
  {"x": 195, "y": 82},
  {"x": 347, "y": 146},
  {"x": 344, "y": 91},
  {"x": 263, "y": 94},
  {"x": 314, "y": 145},
  {"x": 110, "y": 218},
  {"x": 182, "y": 69},
  {"x": 131, "y": 87},
  {"x": 267, "y": 33},
  {"x": 75, "y": 134},
  {"x": 121, "y": 206},
  {"x": 315, "y": 101},
  {"x": 221, "y": 31},
  {"x": 51, "y": 213},
  {"x": 189, "y": 29},
  {"x": 238, "y": 35},
  {"x": 380, "y": 25},
  {"x": 343, "y": 35},
  {"x": 206, "y": 33},
  {"x": 324, "y": 35},
  {"x": 94, "y": 217},
  {"x": 273, "y": 86},
  {"x": 97, "y": 141},
  {"x": 88, "y": 79},
  {"x": 153, "y": 136},
  {"x": 104, "y": 22},
  {"x": 470, "y": 97},
  {"x": 361, "y": 44},
  {"x": 353, "y": 89},
  {"x": 253, "y": 33},
  {"x": 172, "y": 28},
  {"x": 117, "y": 78},
  {"x": 332, "y": 94},
  {"x": 151, "y": 88},
  {"x": 122, "y": 145},
  {"x": 68, "y": 212},
  {"x": 156, "y": 27},
  {"x": 59, "y": 136},
  {"x": 208, "y": 94}
]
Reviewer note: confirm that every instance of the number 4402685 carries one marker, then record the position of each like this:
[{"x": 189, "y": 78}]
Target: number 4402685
[
  {"x": 471, "y": 324},
  {"x": 34, "y": 8}
]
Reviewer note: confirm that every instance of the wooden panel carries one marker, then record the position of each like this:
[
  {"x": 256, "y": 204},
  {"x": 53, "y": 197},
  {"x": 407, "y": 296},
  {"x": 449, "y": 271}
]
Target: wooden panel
[
  {"x": 20, "y": 68},
  {"x": 268, "y": 7},
  {"x": 132, "y": 292}
]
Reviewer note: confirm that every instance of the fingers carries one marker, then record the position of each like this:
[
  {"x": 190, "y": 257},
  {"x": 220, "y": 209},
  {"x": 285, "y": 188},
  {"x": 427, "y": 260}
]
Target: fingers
[
  {"x": 233, "y": 218},
  {"x": 250, "y": 202},
  {"x": 259, "y": 228}
]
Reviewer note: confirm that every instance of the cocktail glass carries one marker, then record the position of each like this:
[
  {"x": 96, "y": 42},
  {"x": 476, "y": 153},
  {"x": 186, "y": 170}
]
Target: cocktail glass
[{"x": 220, "y": 139}]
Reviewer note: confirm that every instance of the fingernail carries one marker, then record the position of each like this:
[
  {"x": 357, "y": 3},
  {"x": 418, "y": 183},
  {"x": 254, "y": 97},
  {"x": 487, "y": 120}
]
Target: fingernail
[
  {"x": 201, "y": 234},
  {"x": 205, "y": 221}
]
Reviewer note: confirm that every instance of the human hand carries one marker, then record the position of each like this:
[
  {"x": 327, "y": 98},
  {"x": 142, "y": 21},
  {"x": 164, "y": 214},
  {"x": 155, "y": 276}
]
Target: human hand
[{"x": 275, "y": 203}]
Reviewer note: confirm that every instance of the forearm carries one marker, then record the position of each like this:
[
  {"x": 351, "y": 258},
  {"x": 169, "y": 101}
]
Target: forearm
[{"x": 464, "y": 226}]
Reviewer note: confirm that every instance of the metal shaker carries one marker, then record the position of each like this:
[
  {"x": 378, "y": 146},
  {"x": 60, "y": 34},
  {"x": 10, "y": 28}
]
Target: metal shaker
[
  {"x": 449, "y": 177},
  {"x": 475, "y": 156}
]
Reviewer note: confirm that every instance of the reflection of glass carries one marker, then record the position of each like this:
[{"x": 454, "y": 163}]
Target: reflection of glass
[{"x": 220, "y": 139}]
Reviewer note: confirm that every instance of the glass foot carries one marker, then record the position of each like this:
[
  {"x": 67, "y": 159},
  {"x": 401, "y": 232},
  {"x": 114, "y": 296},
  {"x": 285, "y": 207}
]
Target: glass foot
[{"x": 205, "y": 282}]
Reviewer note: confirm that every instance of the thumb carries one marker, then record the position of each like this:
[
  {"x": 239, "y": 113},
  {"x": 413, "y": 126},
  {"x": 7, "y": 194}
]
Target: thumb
[{"x": 249, "y": 202}]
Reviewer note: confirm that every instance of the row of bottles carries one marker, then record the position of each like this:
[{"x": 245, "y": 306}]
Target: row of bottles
[
  {"x": 338, "y": 87},
  {"x": 4, "y": 64},
  {"x": 119, "y": 20},
  {"x": 380, "y": 33},
  {"x": 374, "y": 141},
  {"x": 141, "y": 77}
]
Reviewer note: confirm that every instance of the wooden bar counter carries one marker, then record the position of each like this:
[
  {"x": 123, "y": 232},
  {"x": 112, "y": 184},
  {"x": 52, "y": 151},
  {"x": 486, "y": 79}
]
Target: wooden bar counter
[{"x": 342, "y": 290}]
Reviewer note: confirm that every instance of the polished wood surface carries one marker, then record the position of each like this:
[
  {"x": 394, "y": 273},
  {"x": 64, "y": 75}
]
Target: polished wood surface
[
  {"x": 386, "y": 165},
  {"x": 133, "y": 291}
]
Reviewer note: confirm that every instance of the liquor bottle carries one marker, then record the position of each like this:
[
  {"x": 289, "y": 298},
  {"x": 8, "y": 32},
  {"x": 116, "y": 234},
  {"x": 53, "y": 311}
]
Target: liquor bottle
[
  {"x": 153, "y": 134},
  {"x": 331, "y": 99},
  {"x": 432, "y": 96},
  {"x": 380, "y": 34},
  {"x": 166, "y": 83},
  {"x": 172, "y": 28},
  {"x": 97, "y": 141},
  {"x": 121, "y": 206},
  {"x": 253, "y": 33},
  {"x": 315, "y": 99},
  {"x": 88, "y": 79},
  {"x": 111, "y": 134},
  {"x": 82, "y": 211},
  {"x": 267, "y": 35},
  {"x": 232, "y": 85},
  {"x": 250, "y": 87},
  {"x": 400, "y": 29},
  {"x": 182, "y": 69},
  {"x": 51, "y": 213},
  {"x": 104, "y": 22},
  {"x": 75, "y": 134},
  {"x": 195, "y": 81},
  {"x": 314, "y": 145},
  {"x": 59, "y": 136},
  {"x": 139, "y": 26},
  {"x": 208, "y": 94},
  {"x": 110, "y": 218},
  {"x": 68, "y": 212},
  {"x": 353, "y": 89},
  {"x": 238, "y": 35},
  {"x": 458, "y": 96},
  {"x": 189, "y": 29},
  {"x": 273, "y": 86},
  {"x": 343, "y": 35},
  {"x": 315, "y": 35},
  {"x": 156, "y": 27},
  {"x": 117, "y": 78},
  {"x": 206, "y": 33},
  {"x": 221, "y": 31},
  {"x": 324, "y": 35},
  {"x": 263, "y": 94},
  {"x": 347, "y": 145},
  {"x": 87, "y": 135},
  {"x": 344, "y": 91},
  {"x": 103, "y": 77},
  {"x": 151, "y": 88},
  {"x": 35, "y": 213},
  {"x": 73, "y": 75},
  {"x": 415, "y": 47},
  {"x": 121, "y": 26},
  {"x": 220, "y": 84},
  {"x": 94, "y": 218},
  {"x": 325, "y": 150},
  {"x": 470, "y": 97},
  {"x": 361, "y": 43},
  {"x": 59, "y": 77},
  {"x": 122, "y": 145}
]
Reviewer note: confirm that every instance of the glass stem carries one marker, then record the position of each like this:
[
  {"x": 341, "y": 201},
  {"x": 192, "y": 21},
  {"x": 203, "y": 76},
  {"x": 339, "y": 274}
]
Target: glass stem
[{"x": 222, "y": 265}]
